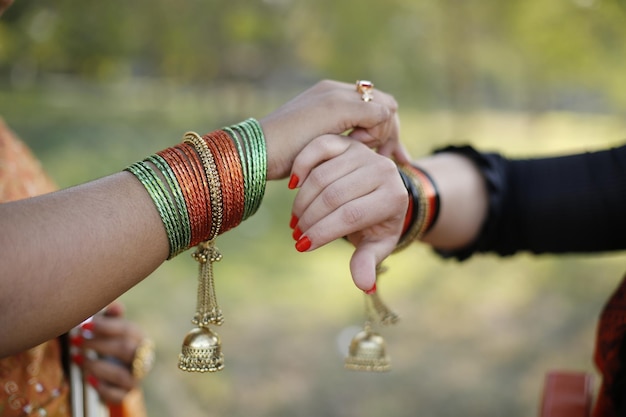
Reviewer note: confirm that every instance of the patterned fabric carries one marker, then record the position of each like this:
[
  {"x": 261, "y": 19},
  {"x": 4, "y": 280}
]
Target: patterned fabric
[
  {"x": 32, "y": 383},
  {"x": 610, "y": 356}
]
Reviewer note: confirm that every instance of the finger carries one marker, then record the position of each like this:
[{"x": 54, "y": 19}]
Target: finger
[
  {"x": 365, "y": 214},
  {"x": 319, "y": 150},
  {"x": 366, "y": 256},
  {"x": 114, "y": 337},
  {"x": 110, "y": 373},
  {"x": 338, "y": 194},
  {"x": 333, "y": 183},
  {"x": 109, "y": 393},
  {"x": 115, "y": 309},
  {"x": 326, "y": 108}
]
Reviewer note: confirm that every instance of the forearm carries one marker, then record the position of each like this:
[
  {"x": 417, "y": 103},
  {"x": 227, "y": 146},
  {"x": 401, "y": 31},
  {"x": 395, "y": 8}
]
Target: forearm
[
  {"x": 463, "y": 200},
  {"x": 570, "y": 203},
  {"x": 68, "y": 254}
]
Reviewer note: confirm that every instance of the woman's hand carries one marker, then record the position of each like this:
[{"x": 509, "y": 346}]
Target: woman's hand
[
  {"x": 330, "y": 107},
  {"x": 347, "y": 189},
  {"x": 108, "y": 346}
]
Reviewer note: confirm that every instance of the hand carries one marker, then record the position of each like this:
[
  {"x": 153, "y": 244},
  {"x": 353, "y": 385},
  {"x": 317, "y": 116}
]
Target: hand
[
  {"x": 346, "y": 189},
  {"x": 109, "y": 344},
  {"x": 330, "y": 107}
]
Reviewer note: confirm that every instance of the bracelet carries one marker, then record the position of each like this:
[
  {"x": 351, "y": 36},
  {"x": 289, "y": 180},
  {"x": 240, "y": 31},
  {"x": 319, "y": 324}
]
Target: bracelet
[
  {"x": 424, "y": 205},
  {"x": 207, "y": 184}
]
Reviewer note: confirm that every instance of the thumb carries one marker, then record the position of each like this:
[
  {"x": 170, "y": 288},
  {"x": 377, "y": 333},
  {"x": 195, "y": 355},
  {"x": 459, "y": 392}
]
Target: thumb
[{"x": 364, "y": 260}]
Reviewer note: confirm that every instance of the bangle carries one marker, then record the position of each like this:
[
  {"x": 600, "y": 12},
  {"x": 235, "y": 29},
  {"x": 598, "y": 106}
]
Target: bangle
[
  {"x": 432, "y": 197},
  {"x": 425, "y": 202},
  {"x": 207, "y": 185}
]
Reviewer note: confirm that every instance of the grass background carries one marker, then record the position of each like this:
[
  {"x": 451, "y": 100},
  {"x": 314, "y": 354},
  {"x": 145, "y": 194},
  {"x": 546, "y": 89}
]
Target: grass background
[{"x": 475, "y": 338}]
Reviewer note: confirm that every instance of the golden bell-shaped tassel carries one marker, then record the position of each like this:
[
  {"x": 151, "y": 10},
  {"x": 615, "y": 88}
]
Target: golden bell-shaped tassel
[
  {"x": 201, "y": 351},
  {"x": 368, "y": 352}
]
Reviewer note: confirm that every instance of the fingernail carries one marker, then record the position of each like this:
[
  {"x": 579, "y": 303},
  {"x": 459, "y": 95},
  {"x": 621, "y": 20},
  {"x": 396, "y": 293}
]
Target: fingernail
[
  {"x": 88, "y": 325},
  {"x": 76, "y": 340},
  {"x": 93, "y": 381},
  {"x": 293, "y": 222},
  {"x": 371, "y": 290},
  {"x": 303, "y": 244},
  {"x": 297, "y": 233},
  {"x": 78, "y": 359},
  {"x": 293, "y": 181}
]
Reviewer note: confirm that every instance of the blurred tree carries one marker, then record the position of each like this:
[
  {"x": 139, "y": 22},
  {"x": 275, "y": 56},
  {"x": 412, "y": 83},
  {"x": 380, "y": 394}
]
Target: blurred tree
[{"x": 457, "y": 54}]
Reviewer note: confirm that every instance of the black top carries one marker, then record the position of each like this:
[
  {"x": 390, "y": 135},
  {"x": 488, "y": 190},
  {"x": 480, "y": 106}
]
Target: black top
[{"x": 574, "y": 203}]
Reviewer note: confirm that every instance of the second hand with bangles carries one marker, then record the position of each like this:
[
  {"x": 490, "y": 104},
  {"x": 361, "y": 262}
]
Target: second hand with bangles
[{"x": 187, "y": 213}]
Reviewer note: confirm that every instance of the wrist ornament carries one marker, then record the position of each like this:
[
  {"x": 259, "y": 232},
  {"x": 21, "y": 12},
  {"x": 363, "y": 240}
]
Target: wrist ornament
[
  {"x": 424, "y": 204},
  {"x": 207, "y": 184}
]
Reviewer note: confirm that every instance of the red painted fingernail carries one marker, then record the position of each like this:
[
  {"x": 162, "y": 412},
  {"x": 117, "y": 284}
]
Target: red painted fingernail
[
  {"x": 303, "y": 244},
  {"x": 76, "y": 340},
  {"x": 371, "y": 290},
  {"x": 78, "y": 359},
  {"x": 93, "y": 381},
  {"x": 297, "y": 233},
  {"x": 293, "y": 181},
  {"x": 293, "y": 222},
  {"x": 88, "y": 325}
]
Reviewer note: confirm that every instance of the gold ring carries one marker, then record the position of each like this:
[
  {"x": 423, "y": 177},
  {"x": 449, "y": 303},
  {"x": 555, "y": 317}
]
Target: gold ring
[
  {"x": 365, "y": 88},
  {"x": 143, "y": 359}
]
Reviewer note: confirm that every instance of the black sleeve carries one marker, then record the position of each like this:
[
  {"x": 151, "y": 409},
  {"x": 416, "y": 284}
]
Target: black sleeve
[{"x": 574, "y": 203}]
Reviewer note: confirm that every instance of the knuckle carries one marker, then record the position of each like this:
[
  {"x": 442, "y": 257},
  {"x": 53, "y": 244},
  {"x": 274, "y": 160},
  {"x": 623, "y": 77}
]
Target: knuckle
[
  {"x": 317, "y": 179},
  {"x": 332, "y": 197},
  {"x": 351, "y": 214}
]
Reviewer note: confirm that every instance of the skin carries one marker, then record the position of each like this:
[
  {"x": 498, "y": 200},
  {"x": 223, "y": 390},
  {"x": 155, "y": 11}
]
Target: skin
[
  {"x": 362, "y": 194},
  {"x": 65, "y": 243},
  {"x": 111, "y": 335}
]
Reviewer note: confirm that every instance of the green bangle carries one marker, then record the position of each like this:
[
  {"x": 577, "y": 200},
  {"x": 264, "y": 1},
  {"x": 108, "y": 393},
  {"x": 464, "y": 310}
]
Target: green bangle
[
  {"x": 158, "y": 194},
  {"x": 184, "y": 231}
]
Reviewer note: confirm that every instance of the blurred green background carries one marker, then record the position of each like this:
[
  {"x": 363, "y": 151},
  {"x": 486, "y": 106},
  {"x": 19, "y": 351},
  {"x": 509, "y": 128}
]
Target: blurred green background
[{"x": 92, "y": 86}]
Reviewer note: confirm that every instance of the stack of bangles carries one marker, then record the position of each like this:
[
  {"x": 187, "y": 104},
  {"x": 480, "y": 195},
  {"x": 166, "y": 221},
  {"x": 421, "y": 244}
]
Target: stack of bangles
[
  {"x": 423, "y": 207},
  {"x": 206, "y": 185}
]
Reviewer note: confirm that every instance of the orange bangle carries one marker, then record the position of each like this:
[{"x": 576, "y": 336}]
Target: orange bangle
[
  {"x": 178, "y": 167},
  {"x": 432, "y": 197},
  {"x": 202, "y": 189},
  {"x": 235, "y": 170}
]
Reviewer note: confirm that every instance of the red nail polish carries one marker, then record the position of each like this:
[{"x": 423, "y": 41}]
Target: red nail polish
[
  {"x": 371, "y": 290},
  {"x": 293, "y": 222},
  {"x": 78, "y": 359},
  {"x": 76, "y": 340},
  {"x": 297, "y": 233},
  {"x": 93, "y": 381},
  {"x": 293, "y": 181},
  {"x": 88, "y": 325},
  {"x": 303, "y": 244}
]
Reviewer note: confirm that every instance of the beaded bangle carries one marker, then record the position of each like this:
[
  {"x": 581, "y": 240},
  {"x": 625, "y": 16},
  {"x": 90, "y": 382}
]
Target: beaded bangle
[{"x": 210, "y": 169}]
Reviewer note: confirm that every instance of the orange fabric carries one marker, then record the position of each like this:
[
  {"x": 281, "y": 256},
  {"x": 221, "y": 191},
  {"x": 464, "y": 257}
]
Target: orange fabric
[
  {"x": 21, "y": 175},
  {"x": 609, "y": 353},
  {"x": 31, "y": 380}
]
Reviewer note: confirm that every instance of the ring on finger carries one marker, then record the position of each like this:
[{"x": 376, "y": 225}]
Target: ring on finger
[
  {"x": 143, "y": 359},
  {"x": 365, "y": 88}
]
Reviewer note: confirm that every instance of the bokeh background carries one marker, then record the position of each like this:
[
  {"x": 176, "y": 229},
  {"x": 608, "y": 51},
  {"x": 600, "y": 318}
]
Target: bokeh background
[{"x": 92, "y": 86}]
